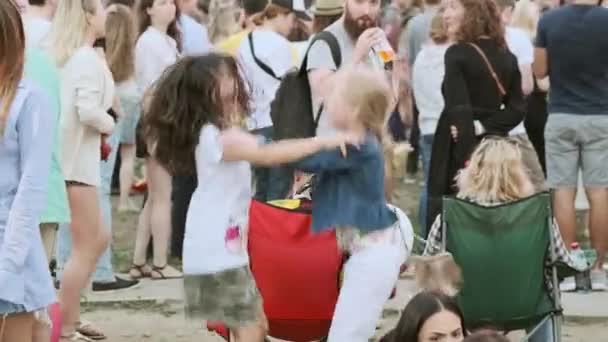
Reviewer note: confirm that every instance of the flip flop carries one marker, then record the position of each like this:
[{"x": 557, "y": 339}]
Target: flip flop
[
  {"x": 161, "y": 276},
  {"x": 90, "y": 331},
  {"x": 75, "y": 337}
]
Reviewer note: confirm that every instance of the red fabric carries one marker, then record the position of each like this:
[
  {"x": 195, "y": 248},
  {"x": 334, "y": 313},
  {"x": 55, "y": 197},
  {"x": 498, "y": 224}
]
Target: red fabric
[
  {"x": 219, "y": 329},
  {"x": 106, "y": 149},
  {"x": 55, "y": 314},
  {"x": 297, "y": 272}
]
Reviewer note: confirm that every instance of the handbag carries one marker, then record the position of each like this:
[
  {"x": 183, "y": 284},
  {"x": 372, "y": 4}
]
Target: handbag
[{"x": 501, "y": 88}]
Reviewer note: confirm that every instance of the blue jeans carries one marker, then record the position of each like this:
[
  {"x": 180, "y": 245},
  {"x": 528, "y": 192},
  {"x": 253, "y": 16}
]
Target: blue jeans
[
  {"x": 426, "y": 147},
  {"x": 271, "y": 183},
  {"x": 103, "y": 272}
]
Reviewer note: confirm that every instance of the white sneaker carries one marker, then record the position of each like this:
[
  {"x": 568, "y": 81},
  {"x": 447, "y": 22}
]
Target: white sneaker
[
  {"x": 568, "y": 285},
  {"x": 598, "y": 280}
]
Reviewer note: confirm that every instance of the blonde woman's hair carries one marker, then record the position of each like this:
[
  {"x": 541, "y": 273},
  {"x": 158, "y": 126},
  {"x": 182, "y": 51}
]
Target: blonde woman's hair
[
  {"x": 525, "y": 16},
  {"x": 495, "y": 173},
  {"x": 68, "y": 30},
  {"x": 223, "y": 19},
  {"x": 120, "y": 42},
  {"x": 368, "y": 92}
]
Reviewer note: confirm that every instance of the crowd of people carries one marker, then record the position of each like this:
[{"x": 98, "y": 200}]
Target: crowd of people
[{"x": 499, "y": 99}]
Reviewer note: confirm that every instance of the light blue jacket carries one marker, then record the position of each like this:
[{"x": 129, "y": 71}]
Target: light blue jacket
[{"x": 25, "y": 159}]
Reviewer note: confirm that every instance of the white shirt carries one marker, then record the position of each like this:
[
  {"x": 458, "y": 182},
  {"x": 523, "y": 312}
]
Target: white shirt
[
  {"x": 218, "y": 213},
  {"x": 154, "y": 52},
  {"x": 194, "y": 35},
  {"x": 521, "y": 46},
  {"x": 427, "y": 78},
  {"x": 36, "y": 31},
  {"x": 273, "y": 50}
]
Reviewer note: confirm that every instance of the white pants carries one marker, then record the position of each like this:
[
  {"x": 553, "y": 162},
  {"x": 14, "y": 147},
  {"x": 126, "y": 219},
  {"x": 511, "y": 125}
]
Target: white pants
[{"x": 370, "y": 275}]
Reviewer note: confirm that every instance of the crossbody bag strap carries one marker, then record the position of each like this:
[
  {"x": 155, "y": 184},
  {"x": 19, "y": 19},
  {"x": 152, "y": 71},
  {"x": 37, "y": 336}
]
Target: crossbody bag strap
[
  {"x": 501, "y": 88},
  {"x": 261, "y": 64}
]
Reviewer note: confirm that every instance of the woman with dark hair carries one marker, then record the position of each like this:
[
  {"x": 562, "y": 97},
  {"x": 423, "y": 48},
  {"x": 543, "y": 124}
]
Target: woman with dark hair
[
  {"x": 429, "y": 316},
  {"x": 158, "y": 47},
  {"x": 26, "y": 141},
  {"x": 481, "y": 88}
]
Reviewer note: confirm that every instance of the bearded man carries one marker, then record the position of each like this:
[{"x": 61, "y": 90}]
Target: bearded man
[{"x": 369, "y": 275}]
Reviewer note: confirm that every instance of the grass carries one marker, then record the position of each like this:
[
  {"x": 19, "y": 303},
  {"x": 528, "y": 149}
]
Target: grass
[{"x": 406, "y": 197}]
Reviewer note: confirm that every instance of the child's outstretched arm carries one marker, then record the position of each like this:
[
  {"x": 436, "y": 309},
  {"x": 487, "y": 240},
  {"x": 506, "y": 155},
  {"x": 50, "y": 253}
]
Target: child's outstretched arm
[
  {"x": 334, "y": 159},
  {"x": 240, "y": 145}
]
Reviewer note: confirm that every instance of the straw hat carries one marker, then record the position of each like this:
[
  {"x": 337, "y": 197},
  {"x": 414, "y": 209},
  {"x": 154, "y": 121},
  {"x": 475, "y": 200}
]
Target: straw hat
[{"x": 328, "y": 7}]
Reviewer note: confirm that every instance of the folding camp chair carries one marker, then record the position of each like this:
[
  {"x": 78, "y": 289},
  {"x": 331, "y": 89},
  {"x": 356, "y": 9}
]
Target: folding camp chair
[{"x": 502, "y": 252}]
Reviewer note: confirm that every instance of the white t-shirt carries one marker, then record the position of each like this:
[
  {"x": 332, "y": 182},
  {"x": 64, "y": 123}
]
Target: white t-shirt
[
  {"x": 154, "y": 52},
  {"x": 194, "y": 35},
  {"x": 427, "y": 78},
  {"x": 36, "y": 30},
  {"x": 521, "y": 46},
  {"x": 273, "y": 50},
  {"x": 219, "y": 210}
]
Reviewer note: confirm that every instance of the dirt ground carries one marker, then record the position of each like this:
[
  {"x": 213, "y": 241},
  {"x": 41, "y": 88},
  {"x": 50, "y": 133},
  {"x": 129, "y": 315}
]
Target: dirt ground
[
  {"x": 127, "y": 325},
  {"x": 165, "y": 324}
]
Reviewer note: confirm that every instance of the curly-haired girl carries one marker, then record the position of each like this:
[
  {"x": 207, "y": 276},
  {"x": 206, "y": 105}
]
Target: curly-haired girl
[
  {"x": 192, "y": 123},
  {"x": 481, "y": 89}
]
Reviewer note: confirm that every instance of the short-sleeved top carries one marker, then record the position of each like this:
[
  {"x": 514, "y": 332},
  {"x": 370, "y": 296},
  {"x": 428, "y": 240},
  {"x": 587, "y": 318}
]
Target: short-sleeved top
[
  {"x": 218, "y": 212},
  {"x": 275, "y": 52},
  {"x": 36, "y": 30},
  {"x": 416, "y": 34},
  {"x": 521, "y": 46},
  {"x": 194, "y": 35},
  {"x": 39, "y": 68},
  {"x": 319, "y": 57},
  {"x": 154, "y": 52},
  {"x": 576, "y": 40}
]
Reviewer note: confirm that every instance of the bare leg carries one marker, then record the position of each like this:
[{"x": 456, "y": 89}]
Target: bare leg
[
  {"x": 252, "y": 333},
  {"x": 598, "y": 219},
  {"x": 42, "y": 324},
  {"x": 42, "y": 327},
  {"x": 143, "y": 229},
  {"x": 127, "y": 166},
  {"x": 17, "y": 328},
  {"x": 160, "y": 216},
  {"x": 49, "y": 233},
  {"x": 89, "y": 240},
  {"x": 563, "y": 209}
]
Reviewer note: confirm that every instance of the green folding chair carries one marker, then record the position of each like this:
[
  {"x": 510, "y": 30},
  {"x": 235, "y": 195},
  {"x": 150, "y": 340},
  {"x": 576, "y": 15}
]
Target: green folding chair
[{"x": 501, "y": 251}]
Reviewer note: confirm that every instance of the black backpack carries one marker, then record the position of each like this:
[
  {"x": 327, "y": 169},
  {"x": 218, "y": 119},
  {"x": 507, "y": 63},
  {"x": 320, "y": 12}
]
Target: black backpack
[{"x": 291, "y": 110}]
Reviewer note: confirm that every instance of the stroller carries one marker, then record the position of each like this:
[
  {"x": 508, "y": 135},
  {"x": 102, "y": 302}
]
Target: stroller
[{"x": 296, "y": 271}]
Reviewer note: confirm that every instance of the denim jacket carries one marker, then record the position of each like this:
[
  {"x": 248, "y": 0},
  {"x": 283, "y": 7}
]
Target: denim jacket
[
  {"x": 349, "y": 190},
  {"x": 25, "y": 160}
]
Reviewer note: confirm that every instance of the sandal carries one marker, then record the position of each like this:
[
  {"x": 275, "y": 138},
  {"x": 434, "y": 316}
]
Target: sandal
[
  {"x": 158, "y": 273},
  {"x": 74, "y": 337},
  {"x": 139, "y": 271},
  {"x": 90, "y": 331}
]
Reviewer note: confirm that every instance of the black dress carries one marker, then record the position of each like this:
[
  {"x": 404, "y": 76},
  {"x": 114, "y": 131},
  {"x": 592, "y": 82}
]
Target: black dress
[{"x": 471, "y": 93}]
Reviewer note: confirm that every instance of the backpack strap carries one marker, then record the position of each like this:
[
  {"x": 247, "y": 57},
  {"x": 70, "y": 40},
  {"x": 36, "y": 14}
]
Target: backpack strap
[
  {"x": 334, "y": 47},
  {"x": 336, "y": 55},
  {"x": 261, "y": 64}
]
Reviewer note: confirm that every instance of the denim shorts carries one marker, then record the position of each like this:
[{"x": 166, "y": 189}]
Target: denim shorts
[{"x": 8, "y": 308}]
